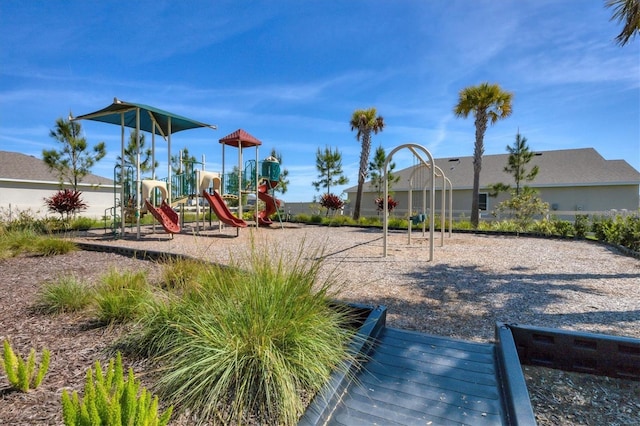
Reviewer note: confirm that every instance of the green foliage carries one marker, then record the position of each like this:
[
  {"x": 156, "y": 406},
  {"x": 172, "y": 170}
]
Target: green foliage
[
  {"x": 23, "y": 375},
  {"x": 111, "y": 400},
  {"x": 130, "y": 153},
  {"x": 67, "y": 294},
  {"x": 397, "y": 223},
  {"x": 84, "y": 224},
  {"x": 73, "y": 161},
  {"x": 523, "y": 207},
  {"x": 181, "y": 274},
  {"x": 19, "y": 220},
  {"x": 564, "y": 228},
  {"x": 329, "y": 165},
  {"x": 619, "y": 230},
  {"x": 376, "y": 169},
  {"x": 581, "y": 225},
  {"x": 339, "y": 220},
  {"x": 52, "y": 246},
  {"x": 14, "y": 243},
  {"x": 248, "y": 342},
  {"x": 315, "y": 218},
  {"x": 369, "y": 221},
  {"x": 122, "y": 296}
]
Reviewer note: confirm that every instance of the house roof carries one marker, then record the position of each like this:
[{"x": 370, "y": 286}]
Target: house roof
[
  {"x": 17, "y": 166},
  {"x": 565, "y": 167}
]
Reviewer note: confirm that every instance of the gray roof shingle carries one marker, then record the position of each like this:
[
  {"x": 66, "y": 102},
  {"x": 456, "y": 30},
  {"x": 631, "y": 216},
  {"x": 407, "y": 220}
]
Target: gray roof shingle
[
  {"x": 14, "y": 165},
  {"x": 566, "y": 167}
]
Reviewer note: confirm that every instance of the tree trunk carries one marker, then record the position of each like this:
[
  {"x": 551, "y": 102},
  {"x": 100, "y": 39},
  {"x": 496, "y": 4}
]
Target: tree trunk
[
  {"x": 362, "y": 172},
  {"x": 481, "y": 127},
  {"x": 356, "y": 209}
]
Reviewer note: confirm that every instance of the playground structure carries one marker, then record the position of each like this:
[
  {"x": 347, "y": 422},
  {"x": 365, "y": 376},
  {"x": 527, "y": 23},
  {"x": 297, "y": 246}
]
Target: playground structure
[
  {"x": 137, "y": 196},
  {"x": 433, "y": 172},
  {"x": 164, "y": 214},
  {"x": 256, "y": 177}
]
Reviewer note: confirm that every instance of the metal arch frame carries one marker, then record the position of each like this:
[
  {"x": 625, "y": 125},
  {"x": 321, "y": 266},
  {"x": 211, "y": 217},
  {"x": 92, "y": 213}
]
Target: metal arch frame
[
  {"x": 443, "y": 209},
  {"x": 385, "y": 226}
]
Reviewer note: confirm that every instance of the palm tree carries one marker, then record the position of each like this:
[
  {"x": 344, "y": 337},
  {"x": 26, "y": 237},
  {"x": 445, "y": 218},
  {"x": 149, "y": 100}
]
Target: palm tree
[
  {"x": 627, "y": 11},
  {"x": 488, "y": 103},
  {"x": 365, "y": 121}
]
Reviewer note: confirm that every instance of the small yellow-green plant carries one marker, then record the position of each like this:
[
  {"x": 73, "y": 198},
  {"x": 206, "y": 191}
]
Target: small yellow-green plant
[
  {"x": 23, "y": 375},
  {"x": 111, "y": 400}
]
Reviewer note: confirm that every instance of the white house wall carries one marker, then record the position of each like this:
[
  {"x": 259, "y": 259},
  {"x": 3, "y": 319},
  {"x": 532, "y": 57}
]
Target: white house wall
[
  {"x": 18, "y": 197},
  {"x": 563, "y": 199}
]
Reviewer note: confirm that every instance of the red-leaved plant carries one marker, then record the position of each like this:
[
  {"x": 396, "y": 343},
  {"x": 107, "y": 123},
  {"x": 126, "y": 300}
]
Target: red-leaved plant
[
  {"x": 65, "y": 202},
  {"x": 391, "y": 204},
  {"x": 331, "y": 202}
]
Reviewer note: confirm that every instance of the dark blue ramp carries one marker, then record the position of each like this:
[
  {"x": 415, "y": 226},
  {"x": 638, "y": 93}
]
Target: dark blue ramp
[
  {"x": 411, "y": 378},
  {"x": 418, "y": 379}
]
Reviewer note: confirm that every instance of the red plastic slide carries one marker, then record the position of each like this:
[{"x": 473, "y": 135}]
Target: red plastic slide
[
  {"x": 271, "y": 205},
  {"x": 166, "y": 216},
  {"x": 222, "y": 211}
]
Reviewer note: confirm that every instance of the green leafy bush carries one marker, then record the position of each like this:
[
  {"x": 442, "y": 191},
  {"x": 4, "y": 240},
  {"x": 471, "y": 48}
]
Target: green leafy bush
[
  {"x": 581, "y": 225},
  {"x": 563, "y": 228},
  {"x": 110, "y": 400},
  {"x": 23, "y": 375},
  {"x": 316, "y": 218}
]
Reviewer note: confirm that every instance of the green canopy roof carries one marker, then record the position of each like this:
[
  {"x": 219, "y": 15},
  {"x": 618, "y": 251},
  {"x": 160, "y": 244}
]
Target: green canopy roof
[{"x": 115, "y": 112}]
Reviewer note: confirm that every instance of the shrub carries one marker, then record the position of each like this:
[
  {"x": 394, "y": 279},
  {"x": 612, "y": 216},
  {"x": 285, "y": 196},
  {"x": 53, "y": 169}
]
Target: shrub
[
  {"x": 331, "y": 202},
  {"x": 397, "y": 223},
  {"x": 67, "y": 294},
  {"x": 111, "y": 400},
  {"x": 391, "y": 204},
  {"x": 581, "y": 225},
  {"x": 65, "y": 202},
  {"x": 301, "y": 218},
  {"x": 23, "y": 375},
  {"x": 315, "y": 218},
  {"x": 250, "y": 341},
  {"x": 563, "y": 228},
  {"x": 83, "y": 224}
]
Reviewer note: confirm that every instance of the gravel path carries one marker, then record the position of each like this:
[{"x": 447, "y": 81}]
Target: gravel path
[{"x": 472, "y": 282}]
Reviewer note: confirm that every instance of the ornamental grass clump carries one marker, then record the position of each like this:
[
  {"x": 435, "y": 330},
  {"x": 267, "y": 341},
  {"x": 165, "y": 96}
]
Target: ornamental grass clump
[
  {"x": 24, "y": 375},
  {"x": 251, "y": 340},
  {"x": 110, "y": 400},
  {"x": 67, "y": 294},
  {"x": 122, "y": 296}
]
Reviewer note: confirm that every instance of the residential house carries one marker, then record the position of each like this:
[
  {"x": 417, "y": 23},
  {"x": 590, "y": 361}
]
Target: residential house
[
  {"x": 25, "y": 181},
  {"x": 572, "y": 181}
]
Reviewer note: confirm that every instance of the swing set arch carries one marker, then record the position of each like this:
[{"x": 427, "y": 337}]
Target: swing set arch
[{"x": 416, "y": 150}]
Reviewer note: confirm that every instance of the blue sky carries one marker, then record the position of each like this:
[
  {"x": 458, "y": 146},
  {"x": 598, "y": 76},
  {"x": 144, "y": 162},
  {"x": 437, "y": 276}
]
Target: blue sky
[{"x": 291, "y": 73}]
